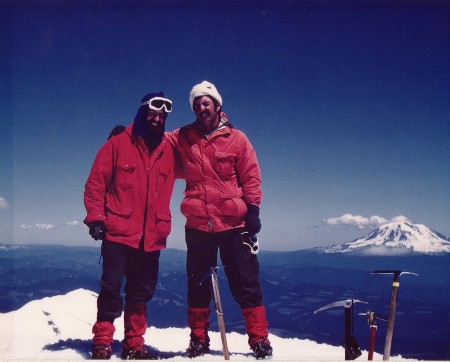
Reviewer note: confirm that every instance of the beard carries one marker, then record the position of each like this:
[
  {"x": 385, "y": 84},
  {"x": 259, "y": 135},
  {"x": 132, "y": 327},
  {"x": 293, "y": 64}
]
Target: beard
[{"x": 153, "y": 136}]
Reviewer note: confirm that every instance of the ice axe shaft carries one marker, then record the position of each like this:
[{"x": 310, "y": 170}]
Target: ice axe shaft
[
  {"x": 392, "y": 308},
  {"x": 373, "y": 333},
  {"x": 218, "y": 308},
  {"x": 391, "y": 318},
  {"x": 372, "y": 322}
]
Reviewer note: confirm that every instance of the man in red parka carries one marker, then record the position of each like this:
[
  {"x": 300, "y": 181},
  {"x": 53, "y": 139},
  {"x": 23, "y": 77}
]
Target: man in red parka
[
  {"x": 221, "y": 207},
  {"x": 127, "y": 198}
]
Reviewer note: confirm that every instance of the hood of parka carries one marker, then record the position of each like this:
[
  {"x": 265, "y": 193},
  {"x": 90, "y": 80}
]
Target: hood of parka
[{"x": 140, "y": 119}]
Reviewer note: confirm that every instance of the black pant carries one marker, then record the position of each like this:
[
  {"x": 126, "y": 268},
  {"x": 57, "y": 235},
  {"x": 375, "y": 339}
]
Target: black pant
[
  {"x": 240, "y": 265},
  {"x": 140, "y": 269}
]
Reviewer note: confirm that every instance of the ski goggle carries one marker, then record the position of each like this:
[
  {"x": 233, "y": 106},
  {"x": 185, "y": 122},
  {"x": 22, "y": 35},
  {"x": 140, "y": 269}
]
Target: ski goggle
[{"x": 158, "y": 103}]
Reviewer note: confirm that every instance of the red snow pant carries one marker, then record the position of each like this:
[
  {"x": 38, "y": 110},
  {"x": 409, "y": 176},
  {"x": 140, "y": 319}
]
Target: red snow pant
[
  {"x": 141, "y": 272},
  {"x": 242, "y": 272}
]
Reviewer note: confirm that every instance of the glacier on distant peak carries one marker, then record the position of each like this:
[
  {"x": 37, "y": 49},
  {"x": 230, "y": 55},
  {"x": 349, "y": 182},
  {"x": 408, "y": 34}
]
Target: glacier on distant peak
[{"x": 396, "y": 238}]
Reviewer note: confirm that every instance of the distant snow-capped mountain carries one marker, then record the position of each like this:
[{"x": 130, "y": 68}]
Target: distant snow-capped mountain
[{"x": 396, "y": 237}]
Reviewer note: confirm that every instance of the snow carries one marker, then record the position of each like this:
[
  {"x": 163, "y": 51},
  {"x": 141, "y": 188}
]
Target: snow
[
  {"x": 396, "y": 237},
  {"x": 59, "y": 327}
]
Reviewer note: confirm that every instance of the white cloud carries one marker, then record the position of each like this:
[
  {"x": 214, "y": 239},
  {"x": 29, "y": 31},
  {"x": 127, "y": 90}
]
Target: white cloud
[
  {"x": 385, "y": 251},
  {"x": 400, "y": 218},
  {"x": 3, "y": 203},
  {"x": 378, "y": 220},
  {"x": 73, "y": 223},
  {"x": 45, "y": 227},
  {"x": 362, "y": 222}
]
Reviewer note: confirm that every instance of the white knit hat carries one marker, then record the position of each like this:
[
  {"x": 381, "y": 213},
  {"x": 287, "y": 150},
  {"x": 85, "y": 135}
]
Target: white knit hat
[{"x": 205, "y": 88}]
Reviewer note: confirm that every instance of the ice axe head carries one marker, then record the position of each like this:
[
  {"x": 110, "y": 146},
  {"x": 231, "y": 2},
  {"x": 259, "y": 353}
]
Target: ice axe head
[
  {"x": 396, "y": 273},
  {"x": 372, "y": 317},
  {"x": 342, "y": 303},
  {"x": 352, "y": 350}
]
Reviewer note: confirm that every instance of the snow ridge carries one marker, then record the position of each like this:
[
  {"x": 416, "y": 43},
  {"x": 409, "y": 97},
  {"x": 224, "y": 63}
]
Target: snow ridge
[{"x": 59, "y": 328}]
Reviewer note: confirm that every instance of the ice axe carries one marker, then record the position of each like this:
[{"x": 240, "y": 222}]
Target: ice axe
[
  {"x": 352, "y": 350},
  {"x": 212, "y": 272},
  {"x": 219, "y": 311},
  {"x": 372, "y": 318},
  {"x": 392, "y": 307}
]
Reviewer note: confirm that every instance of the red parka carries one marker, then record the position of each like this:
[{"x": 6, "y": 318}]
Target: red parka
[
  {"x": 129, "y": 189},
  {"x": 222, "y": 176}
]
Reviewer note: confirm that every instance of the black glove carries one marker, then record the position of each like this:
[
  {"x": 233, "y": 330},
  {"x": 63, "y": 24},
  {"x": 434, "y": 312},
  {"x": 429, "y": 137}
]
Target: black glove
[
  {"x": 97, "y": 230},
  {"x": 253, "y": 223}
]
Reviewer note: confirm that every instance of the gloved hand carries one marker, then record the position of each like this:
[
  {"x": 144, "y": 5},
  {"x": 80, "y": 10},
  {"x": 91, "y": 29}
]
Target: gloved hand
[
  {"x": 252, "y": 222},
  {"x": 97, "y": 230}
]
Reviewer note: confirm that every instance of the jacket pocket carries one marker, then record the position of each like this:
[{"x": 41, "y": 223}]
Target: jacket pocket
[
  {"x": 126, "y": 175},
  {"x": 192, "y": 207},
  {"x": 118, "y": 222},
  {"x": 162, "y": 176},
  {"x": 233, "y": 207},
  {"x": 163, "y": 223},
  {"x": 224, "y": 165}
]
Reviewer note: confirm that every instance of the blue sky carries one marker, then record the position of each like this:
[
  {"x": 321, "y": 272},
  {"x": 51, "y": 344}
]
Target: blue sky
[{"x": 346, "y": 104}]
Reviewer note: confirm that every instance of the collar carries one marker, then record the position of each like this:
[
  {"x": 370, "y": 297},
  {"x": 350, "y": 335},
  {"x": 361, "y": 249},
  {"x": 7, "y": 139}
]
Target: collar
[{"x": 222, "y": 124}]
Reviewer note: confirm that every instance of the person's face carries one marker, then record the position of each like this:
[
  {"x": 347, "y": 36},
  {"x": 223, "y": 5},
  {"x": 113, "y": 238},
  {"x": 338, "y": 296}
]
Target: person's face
[
  {"x": 156, "y": 121},
  {"x": 206, "y": 112}
]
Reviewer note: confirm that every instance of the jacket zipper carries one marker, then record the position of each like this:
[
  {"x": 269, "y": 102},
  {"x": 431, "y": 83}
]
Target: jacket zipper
[{"x": 141, "y": 244}]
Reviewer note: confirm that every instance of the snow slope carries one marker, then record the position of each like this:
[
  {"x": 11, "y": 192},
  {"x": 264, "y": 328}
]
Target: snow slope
[
  {"x": 60, "y": 328},
  {"x": 396, "y": 237}
]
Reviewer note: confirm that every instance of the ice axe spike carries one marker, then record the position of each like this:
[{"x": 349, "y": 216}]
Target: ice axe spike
[
  {"x": 392, "y": 307},
  {"x": 352, "y": 350}
]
